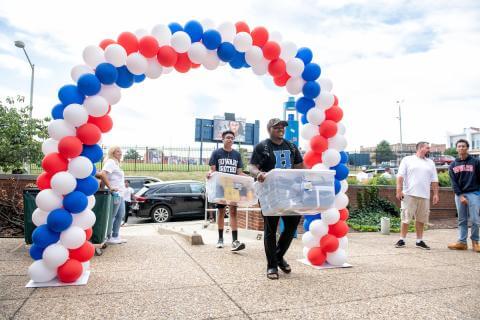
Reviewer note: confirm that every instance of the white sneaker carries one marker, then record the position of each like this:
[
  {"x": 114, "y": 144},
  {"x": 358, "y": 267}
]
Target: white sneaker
[{"x": 116, "y": 240}]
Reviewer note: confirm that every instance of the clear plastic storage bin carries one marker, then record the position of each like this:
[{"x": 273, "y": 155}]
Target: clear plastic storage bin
[
  {"x": 296, "y": 191},
  {"x": 231, "y": 189}
]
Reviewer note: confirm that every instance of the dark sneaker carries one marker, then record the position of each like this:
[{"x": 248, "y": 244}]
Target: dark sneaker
[
  {"x": 284, "y": 266},
  {"x": 422, "y": 245},
  {"x": 400, "y": 244},
  {"x": 237, "y": 245},
  {"x": 220, "y": 243}
]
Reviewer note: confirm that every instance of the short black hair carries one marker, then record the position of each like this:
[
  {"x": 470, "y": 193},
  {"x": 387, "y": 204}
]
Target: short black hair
[
  {"x": 421, "y": 144},
  {"x": 224, "y": 133},
  {"x": 462, "y": 141},
  {"x": 127, "y": 181}
]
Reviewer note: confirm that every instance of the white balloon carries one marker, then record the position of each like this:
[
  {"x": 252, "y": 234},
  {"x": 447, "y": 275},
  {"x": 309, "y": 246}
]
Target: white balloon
[
  {"x": 63, "y": 183},
  {"x": 39, "y": 217},
  {"x": 325, "y": 84},
  {"x": 84, "y": 219},
  {"x": 207, "y": 24},
  {"x": 197, "y": 52},
  {"x": 330, "y": 216},
  {"x": 140, "y": 33},
  {"x": 340, "y": 128},
  {"x": 305, "y": 252},
  {"x": 337, "y": 142},
  {"x": 343, "y": 243},
  {"x": 181, "y": 41},
  {"x": 295, "y": 85},
  {"x": 55, "y": 255},
  {"x": 167, "y": 70},
  {"x": 154, "y": 69},
  {"x": 275, "y": 36},
  {"x": 73, "y": 237},
  {"x": 309, "y": 240},
  {"x": 320, "y": 166},
  {"x": 295, "y": 67},
  {"x": 80, "y": 70},
  {"x": 75, "y": 114},
  {"x": 324, "y": 100},
  {"x": 288, "y": 50},
  {"x": 331, "y": 157},
  {"x": 111, "y": 93},
  {"x": 49, "y": 146},
  {"x": 39, "y": 272},
  {"x": 343, "y": 186},
  {"x": 96, "y": 106},
  {"x": 318, "y": 228},
  {"x": 115, "y": 54},
  {"x": 315, "y": 116},
  {"x": 47, "y": 200},
  {"x": 211, "y": 60},
  {"x": 59, "y": 128},
  {"x": 227, "y": 31},
  {"x": 242, "y": 41},
  {"x": 260, "y": 68},
  {"x": 337, "y": 258},
  {"x": 341, "y": 201},
  {"x": 309, "y": 131},
  {"x": 254, "y": 56},
  {"x": 93, "y": 56},
  {"x": 137, "y": 63},
  {"x": 80, "y": 167},
  {"x": 91, "y": 202},
  {"x": 163, "y": 34}
]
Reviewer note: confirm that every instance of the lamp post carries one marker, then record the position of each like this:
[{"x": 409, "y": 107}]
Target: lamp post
[
  {"x": 399, "y": 103},
  {"x": 21, "y": 45}
]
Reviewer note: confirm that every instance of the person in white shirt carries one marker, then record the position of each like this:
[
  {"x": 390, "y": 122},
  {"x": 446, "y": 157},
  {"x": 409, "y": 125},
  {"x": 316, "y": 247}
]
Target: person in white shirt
[
  {"x": 387, "y": 174},
  {"x": 128, "y": 198},
  {"x": 415, "y": 176},
  {"x": 362, "y": 176}
]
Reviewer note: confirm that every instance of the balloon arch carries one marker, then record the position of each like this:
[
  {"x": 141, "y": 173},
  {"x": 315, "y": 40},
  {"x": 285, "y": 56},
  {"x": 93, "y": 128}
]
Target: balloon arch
[{"x": 64, "y": 216}]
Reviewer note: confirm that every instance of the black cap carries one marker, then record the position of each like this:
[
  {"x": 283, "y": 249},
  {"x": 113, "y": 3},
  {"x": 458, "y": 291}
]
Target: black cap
[{"x": 276, "y": 121}]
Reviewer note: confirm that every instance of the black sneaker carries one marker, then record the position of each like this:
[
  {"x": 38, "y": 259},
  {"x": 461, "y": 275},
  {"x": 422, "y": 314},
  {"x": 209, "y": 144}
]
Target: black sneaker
[
  {"x": 422, "y": 245},
  {"x": 400, "y": 244},
  {"x": 237, "y": 245},
  {"x": 220, "y": 243}
]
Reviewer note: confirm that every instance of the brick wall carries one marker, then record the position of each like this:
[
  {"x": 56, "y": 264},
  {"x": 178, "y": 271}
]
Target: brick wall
[{"x": 11, "y": 182}]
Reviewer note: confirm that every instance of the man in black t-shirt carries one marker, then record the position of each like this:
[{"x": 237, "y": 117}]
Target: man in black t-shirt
[
  {"x": 229, "y": 161},
  {"x": 276, "y": 153}
]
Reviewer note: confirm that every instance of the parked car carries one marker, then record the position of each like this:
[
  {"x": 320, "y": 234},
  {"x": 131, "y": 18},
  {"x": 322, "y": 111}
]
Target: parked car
[
  {"x": 443, "y": 160},
  {"x": 138, "y": 183},
  {"x": 373, "y": 172},
  {"x": 163, "y": 201}
]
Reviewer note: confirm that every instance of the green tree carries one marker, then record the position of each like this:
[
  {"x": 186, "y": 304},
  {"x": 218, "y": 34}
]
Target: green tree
[
  {"x": 132, "y": 154},
  {"x": 451, "y": 152},
  {"x": 384, "y": 152},
  {"x": 20, "y": 135}
]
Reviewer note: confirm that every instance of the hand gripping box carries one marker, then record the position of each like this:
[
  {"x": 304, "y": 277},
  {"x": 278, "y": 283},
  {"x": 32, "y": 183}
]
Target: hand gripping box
[
  {"x": 296, "y": 191},
  {"x": 231, "y": 189}
]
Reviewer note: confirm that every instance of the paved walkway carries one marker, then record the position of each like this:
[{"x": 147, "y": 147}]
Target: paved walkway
[{"x": 160, "y": 276}]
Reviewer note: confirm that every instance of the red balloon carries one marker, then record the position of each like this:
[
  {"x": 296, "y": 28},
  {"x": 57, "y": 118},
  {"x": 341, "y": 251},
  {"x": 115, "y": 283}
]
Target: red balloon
[
  {"x": 339, "y": 229},
  {"x": 335, "y": 101},
  {"x": 311, "y": 158},
  {"x": 166, "y": 56},
  {"x": 271, "y": 50},
  {"x": 104, "y": 123},
  {"x": 334, "y": 113},
  {"x": 128, "y": 41},
  {"x": 242, "y": 27},
  {"x": 318, "y": 144},
  {"x": 105, "y": 43},
  {"x": 316, "y": 256},
  {"x": 148, "y": 46},
  {"x": 282, "y": 80},
  {"x": 328, "y": 128},
  {"x": 195, "y": 65},
  {"x": 89, "y": 133},
  {"x": 70, "y": 271},
  {"x": 54, "y": 162},
  {"x": 183, "y": 63},
  {"x": 259, "y": 36},
  {"x": 83, "y": 253},
  {"x": 277, "y": 67},
  {"x": 344, "y": 214},
  {"x": 43, "y": 181},
  {"x": 88, "y": 233},
  {"x": 70, "y": 147},
  {"x": 329, "y": 243}
]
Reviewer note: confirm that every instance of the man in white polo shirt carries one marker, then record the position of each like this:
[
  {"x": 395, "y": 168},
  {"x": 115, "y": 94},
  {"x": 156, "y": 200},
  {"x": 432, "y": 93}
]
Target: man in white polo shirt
[{"x": 415, "y": 175}]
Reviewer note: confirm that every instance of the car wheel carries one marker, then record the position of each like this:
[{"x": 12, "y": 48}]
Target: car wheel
[{"x": 161, "y": 214}]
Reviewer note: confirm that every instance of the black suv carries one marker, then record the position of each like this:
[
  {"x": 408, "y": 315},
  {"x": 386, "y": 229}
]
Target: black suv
[{"x": 162, "y": 201}]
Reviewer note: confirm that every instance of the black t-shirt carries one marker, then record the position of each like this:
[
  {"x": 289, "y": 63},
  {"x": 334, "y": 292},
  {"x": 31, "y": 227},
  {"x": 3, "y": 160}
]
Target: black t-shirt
[
  {"x": 226, "y": 161},
  {"x": 275, "y": 156}
]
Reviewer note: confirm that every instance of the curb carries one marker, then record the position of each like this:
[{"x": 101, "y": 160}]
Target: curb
[{"x": 193, "y": 239}]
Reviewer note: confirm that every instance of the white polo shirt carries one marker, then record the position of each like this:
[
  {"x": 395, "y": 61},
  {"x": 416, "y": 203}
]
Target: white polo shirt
[{"x": 418, "y": 174}]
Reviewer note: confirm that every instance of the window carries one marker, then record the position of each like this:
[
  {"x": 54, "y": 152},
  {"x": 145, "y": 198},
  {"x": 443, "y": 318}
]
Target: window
[
  {"x": 160, "y": 190},
  {"x": 177, "y": 188},
  {"x": 197, "y": 188}
]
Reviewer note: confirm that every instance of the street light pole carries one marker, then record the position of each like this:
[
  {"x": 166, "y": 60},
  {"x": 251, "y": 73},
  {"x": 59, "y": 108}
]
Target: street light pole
[
  {"x": 399, "y": 103},
  {"x": 21, "y": 45}
]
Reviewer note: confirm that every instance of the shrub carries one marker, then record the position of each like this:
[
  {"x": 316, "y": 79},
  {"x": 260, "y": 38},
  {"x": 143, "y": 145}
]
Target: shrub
[{"x": 444, "y": 179}]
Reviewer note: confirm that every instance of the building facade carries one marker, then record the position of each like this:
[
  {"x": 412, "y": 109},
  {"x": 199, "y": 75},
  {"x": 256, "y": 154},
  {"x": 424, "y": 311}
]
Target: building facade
[{"x": 471, "y": 134}]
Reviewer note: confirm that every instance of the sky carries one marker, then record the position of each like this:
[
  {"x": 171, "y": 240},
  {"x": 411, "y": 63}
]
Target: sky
[{"x": 422, "y": 53}]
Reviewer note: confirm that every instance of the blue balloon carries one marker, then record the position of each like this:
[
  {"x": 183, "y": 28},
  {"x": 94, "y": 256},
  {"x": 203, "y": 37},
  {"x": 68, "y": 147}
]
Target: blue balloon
[
  {"x": 106, "y": 73},
  {"x": 211, "y": 39},
  {"x": 337, "y": 186},
  {"x": 93, "y": 152},
  {"x": 194, "y": 29},
  {"x": 94, "y": 171},
  {"x": 311, "y": 72},
  {"x": 343, "y": 157},
  {"x": 42, "y": 236},
  {"x": 75, "y": 201},
  {"x": 89, "y": 85},
  {"x": 57, "y": 111},
  {"x": 175, "y": 27},
  {"x": 304, "y": 104},
  {"x": 311, "y": 89},
  {"x": 226, "y": 51},
  {"x": 238, "y": 60},
  {"x": 36, "y": 252},
  {"x": 88, "y": 186},
  {"x": 305, "y": 54},
  {"x": 306, "y": 225},
  {"x": 59, "y": 220},
  {"x": 313, "y": 217},
  {"x": 304, "y": 119},
  {"x": 69, "y": 94},
  {"x": 341, "y": 171},
  {"x": 125, "y": 78},
  {"x": 139, "y": 78}
]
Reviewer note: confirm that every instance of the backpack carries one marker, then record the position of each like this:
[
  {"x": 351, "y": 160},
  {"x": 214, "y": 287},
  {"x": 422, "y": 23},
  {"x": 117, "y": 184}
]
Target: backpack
[{"x": 267, "y": 150}]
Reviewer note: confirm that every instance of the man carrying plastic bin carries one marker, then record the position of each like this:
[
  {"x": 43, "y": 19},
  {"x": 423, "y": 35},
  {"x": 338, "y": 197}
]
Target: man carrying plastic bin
[
  {"x": 276, "y": 153},
  {"x": 227, "y": 160}
]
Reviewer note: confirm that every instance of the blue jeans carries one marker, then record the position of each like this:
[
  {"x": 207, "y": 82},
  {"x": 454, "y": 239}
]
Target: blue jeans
[
  {"x": 117, "y": 214},
  {"x": 472, "y": 209}
]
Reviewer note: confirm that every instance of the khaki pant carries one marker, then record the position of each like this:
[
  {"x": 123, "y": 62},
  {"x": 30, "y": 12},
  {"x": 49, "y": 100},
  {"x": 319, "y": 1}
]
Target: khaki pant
[{"x": 415, "y": 208}]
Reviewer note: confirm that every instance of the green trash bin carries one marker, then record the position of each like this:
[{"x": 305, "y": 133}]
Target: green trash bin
[{"x": 102, "y": 209}]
